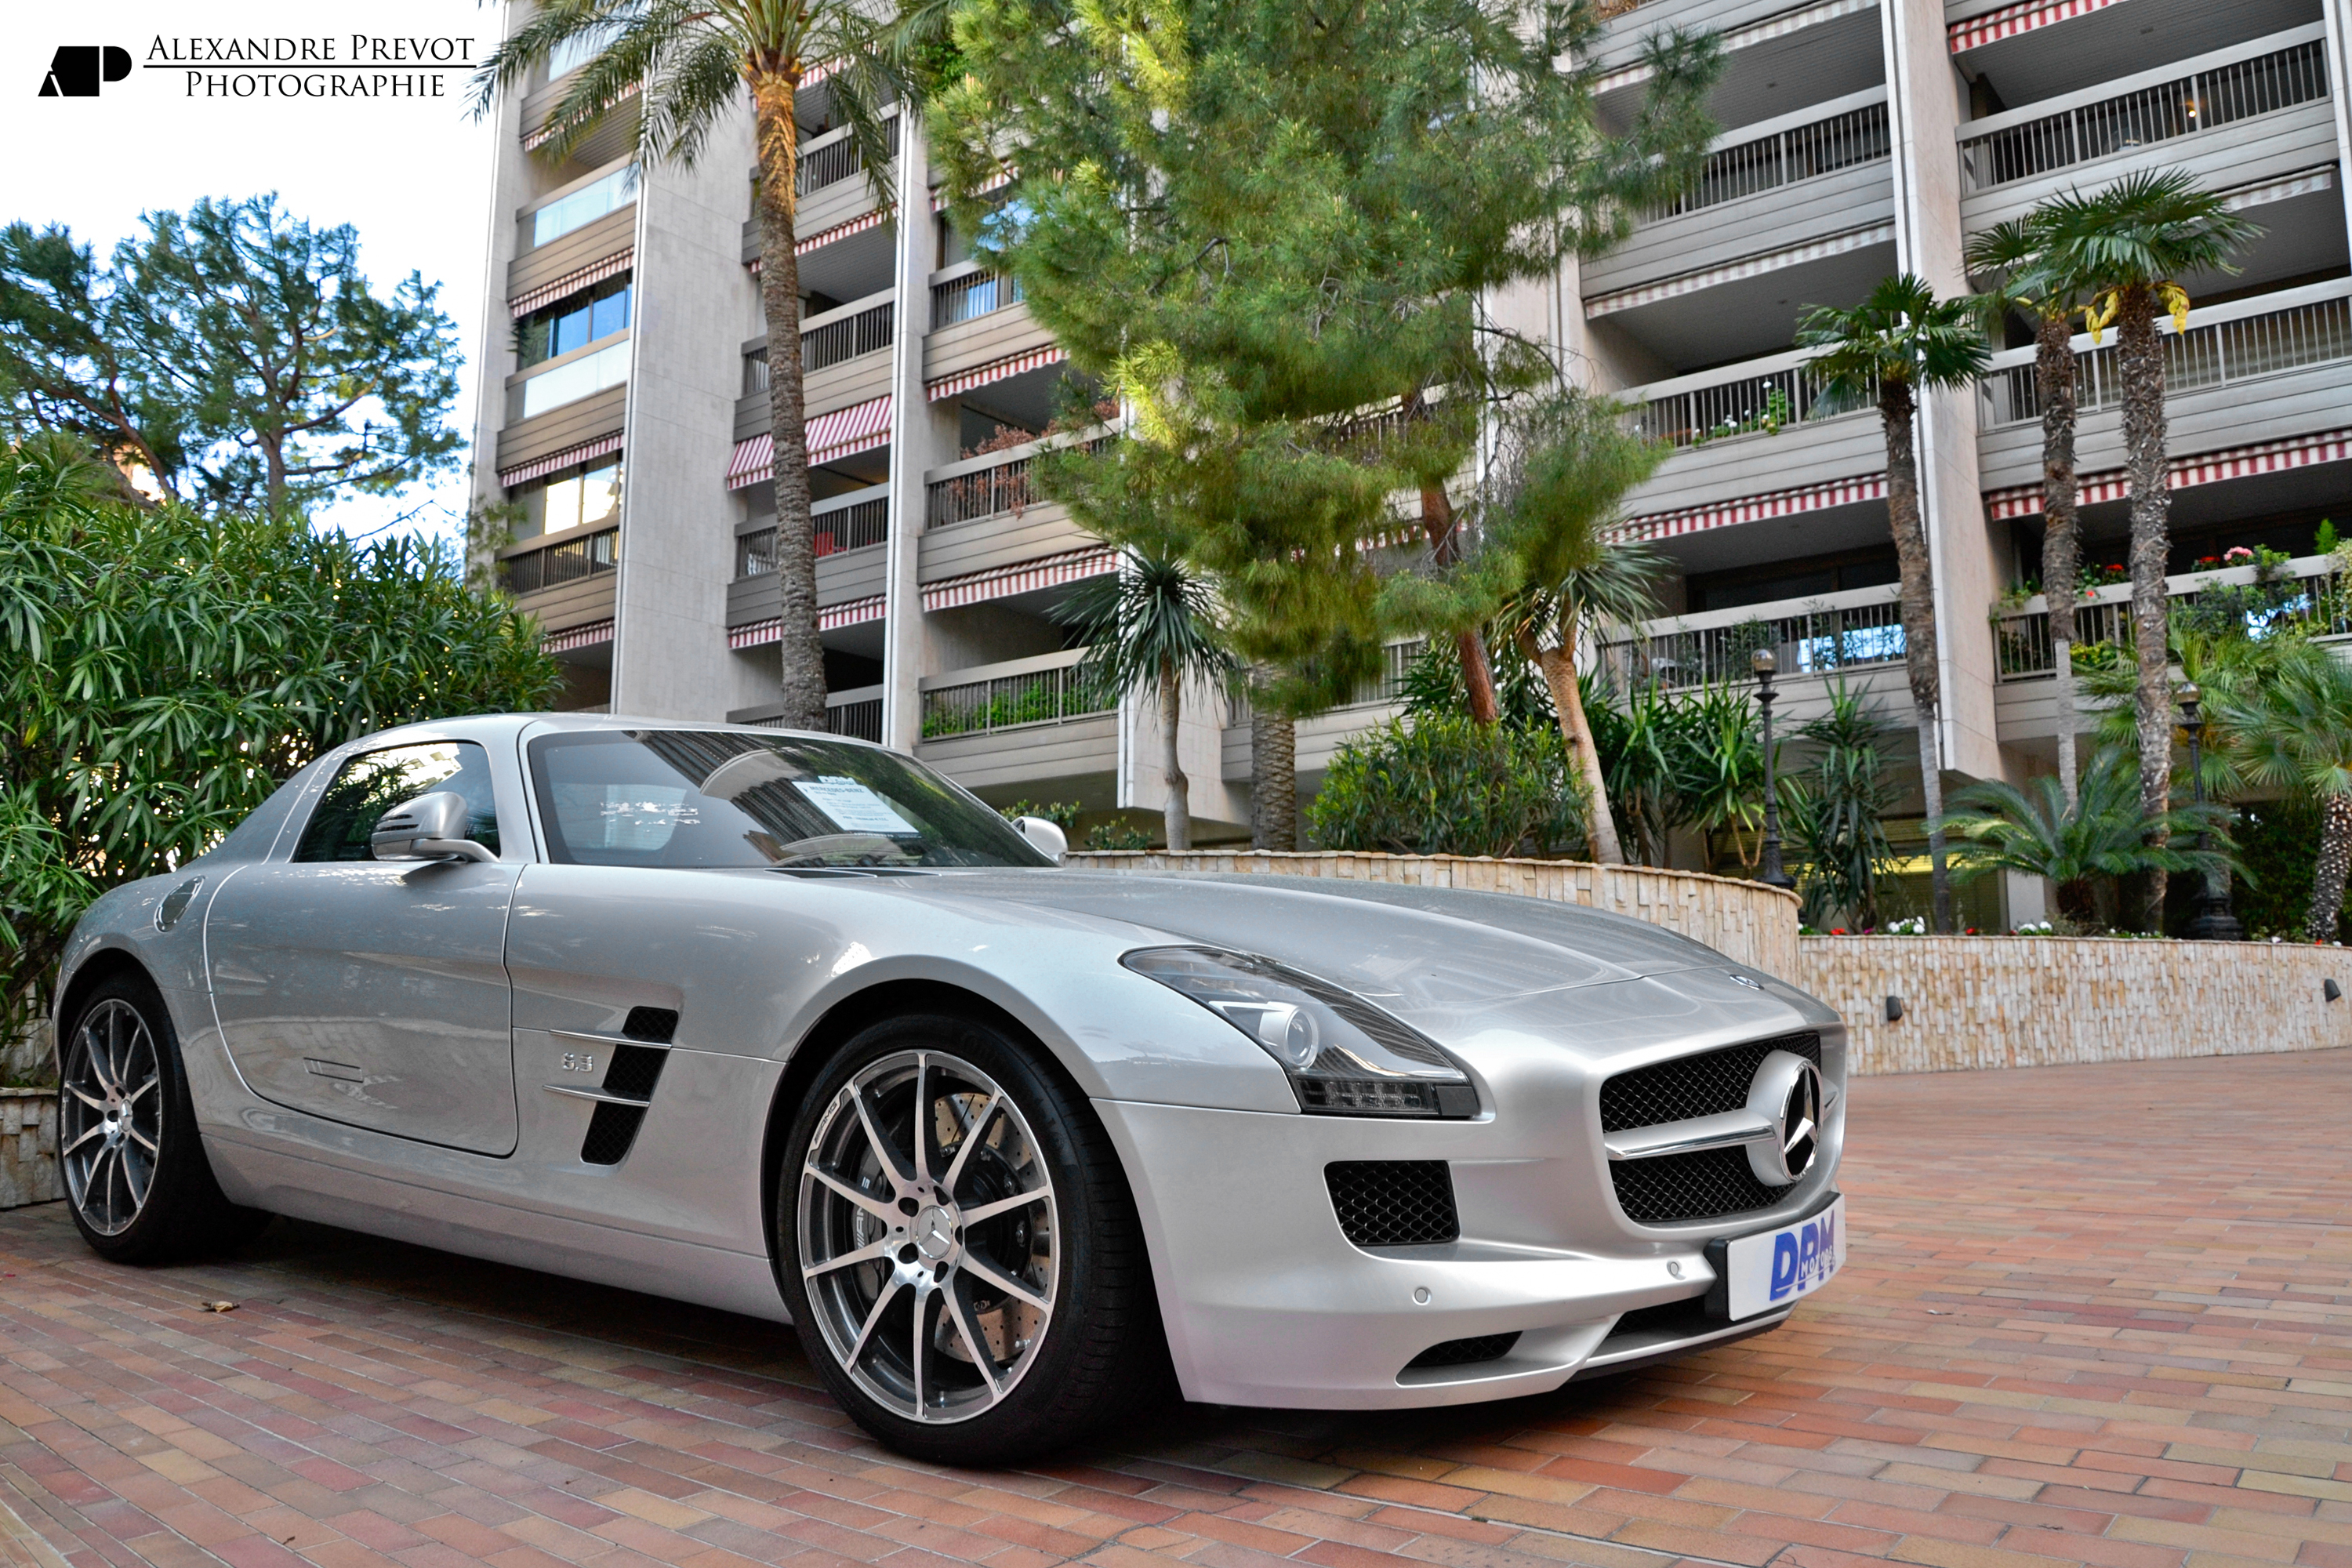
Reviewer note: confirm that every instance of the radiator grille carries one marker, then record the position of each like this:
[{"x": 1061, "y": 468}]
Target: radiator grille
[
  {"x": 1672, "y": 1188},
  {"x": 1466, "y": 1353},
  {"x": 1393, "y": 1202},
  {"x": 1707, "y": 1084}
]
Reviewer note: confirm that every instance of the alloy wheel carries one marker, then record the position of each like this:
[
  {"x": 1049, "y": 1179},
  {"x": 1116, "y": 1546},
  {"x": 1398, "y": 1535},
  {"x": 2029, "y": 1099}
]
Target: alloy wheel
[
  {"x": 111, "y": 1122},
  {"x": 929, "y": 1236}
]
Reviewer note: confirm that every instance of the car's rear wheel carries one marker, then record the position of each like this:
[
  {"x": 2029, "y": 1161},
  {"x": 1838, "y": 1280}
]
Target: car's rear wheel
[
  {"x": 137, "y": 1181},
  {"x": 959, "y": 1247}
]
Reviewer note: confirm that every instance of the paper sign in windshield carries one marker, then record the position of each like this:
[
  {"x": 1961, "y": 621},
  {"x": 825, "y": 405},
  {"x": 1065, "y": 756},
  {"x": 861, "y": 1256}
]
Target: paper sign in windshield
[{"x": 853, "y": 807}]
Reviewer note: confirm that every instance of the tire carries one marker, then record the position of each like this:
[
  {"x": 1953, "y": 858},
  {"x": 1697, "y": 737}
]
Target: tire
[
  {"x": 954, "y": 1320},
  {"x": 136, "y": 1178}
]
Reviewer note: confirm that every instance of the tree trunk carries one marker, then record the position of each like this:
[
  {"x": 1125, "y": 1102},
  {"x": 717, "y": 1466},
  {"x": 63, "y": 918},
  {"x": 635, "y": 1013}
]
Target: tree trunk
[
  {"x": 1478, "y": 676},
  {"x": 1558, "y": 667},
  {"x": 801, "y": 687},
  {"x": 2139, "y": 360},
  {"x": 2062, "y": 555},
  {"x": 1895, "y": 410},
  {"x": 1180, "y": 806},
  {"x": 2328, "y": 876},
  {"x": 1273, "y": 780}
]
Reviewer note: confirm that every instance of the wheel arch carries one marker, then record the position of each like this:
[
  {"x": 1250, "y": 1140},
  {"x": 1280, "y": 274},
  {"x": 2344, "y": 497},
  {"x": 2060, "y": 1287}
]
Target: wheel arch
[
  {"x": 858, "y": 1010},
  {"x": 93, "y": 972}
]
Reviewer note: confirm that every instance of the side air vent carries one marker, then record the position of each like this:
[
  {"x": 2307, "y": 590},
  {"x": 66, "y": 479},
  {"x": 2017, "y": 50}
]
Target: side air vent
[
  {"x": 654, "y": 1026},
  {"x": 1393, "y": 1202},
  {"x": 1464, "y": 1352},
  {"x": 635, "y": 1072}
]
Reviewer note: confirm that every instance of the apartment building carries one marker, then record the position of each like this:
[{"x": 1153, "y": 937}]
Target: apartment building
[{"x": 626, "y": 411}]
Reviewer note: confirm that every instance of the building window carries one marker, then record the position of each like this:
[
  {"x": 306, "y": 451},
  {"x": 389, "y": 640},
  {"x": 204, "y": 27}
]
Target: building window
[
  {"x": 584, "y": 206},
  {"x": 573, "y": 321},
  {"x": 571, "y": 497}
]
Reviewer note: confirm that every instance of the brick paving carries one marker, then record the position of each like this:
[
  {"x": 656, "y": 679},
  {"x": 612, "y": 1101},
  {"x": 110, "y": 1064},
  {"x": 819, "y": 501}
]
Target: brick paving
[{"x": 2095, "y": 1314}]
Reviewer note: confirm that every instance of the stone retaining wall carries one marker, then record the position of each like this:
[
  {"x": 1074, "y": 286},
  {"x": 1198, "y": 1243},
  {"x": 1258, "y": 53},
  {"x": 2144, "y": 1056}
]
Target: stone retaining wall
[
  {"x": 2030, "y": 1001},
  {"x": 1745, "y": 921},
  {"x": 28, "y": 1147}
]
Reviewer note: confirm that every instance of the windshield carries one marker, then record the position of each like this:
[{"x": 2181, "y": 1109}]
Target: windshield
[{"x": 693, "y": 797}]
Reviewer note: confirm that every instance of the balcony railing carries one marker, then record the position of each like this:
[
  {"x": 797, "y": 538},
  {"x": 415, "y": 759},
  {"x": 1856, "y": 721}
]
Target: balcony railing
[
  {"x": 2236, "y": 341},
  {"x": 845, "y": 528},
  {"x": 560, "y": 563},
  {"x": 860, "y": 718},
  {"x": 2186, "y": 106},
  {"x": 1762, "y": 397},
  {"x": 2310, "y": 599},
  {"x": 970, "y": 297},
  {"x": 560, "y": 382},
  {"x": 1800, "y": 152},
  {"x": 830, "y": 162},
  {"x": 998, "y": 488},
  {"x": 1052, "y": 695},
  {"x": 1856, "y": 629},
  {"x": 828, "y": 343}
]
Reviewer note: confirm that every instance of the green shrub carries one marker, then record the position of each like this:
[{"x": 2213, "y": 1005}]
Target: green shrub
[
  {"x": 1445, "y": 785},
  {"x": 1118, "y": 835}
]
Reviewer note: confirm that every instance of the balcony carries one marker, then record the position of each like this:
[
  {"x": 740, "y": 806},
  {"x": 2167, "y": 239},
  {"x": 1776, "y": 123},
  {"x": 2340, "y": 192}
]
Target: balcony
[
  {"x": 986, "y": 512},
  {"x": 856, "y": 713},
  {"x": 1749, "y": 429},
  {"x": 844, "y": 361},
  {"x": 1316, "y": 741},
  {"x": 1025, "y": 721},
  {"x": 977, "y": 319},
  {"x": 1765, "y": 188},
  {"x": 832, "y": 183},
  {"x": 593, "y": 221},
  {"x": 2024, "y": 702},
  {"x": 850, "y": 530},
  {"x": 566, "y": 580},
  {"x": 1832, "y": 634},
  {"x": 2259, "y": 369},
  {"x": 569, "y": 378},
  {"x": 2232, "y": 116}
]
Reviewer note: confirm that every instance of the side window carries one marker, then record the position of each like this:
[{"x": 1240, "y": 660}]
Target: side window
[{"x": 372, "y": 783}]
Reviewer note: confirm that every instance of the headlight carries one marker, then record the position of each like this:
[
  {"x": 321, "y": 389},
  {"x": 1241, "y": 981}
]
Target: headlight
[{"x": 1344, "y": 1055}]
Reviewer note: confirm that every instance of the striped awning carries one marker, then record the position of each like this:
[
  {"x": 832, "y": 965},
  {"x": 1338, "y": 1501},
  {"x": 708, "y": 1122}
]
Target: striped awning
[
  {"x": 589, "y": 636},
  {"x": 996, "y": 181},
  {"x": 1771, "y": 27},
  {"x": 2186, "y": 473},
  {"x": 1004, "y": 582},
  {"x": 760, "y": 633},
  {"x": 875, "y": 219},
  {"x": 1745, "y": 267},
  {"x": 572, "y": 282},
  {"x": 539, "y": 468},
  {"x": 1001, "y": 370},
  {"x": 831, "y": 436},
  {"x": 1755, "y": 509},
  {"x": 534, "y": 141},
  {"x": 2302, "y": 183},
  {"x": 2023, "y": 18}
]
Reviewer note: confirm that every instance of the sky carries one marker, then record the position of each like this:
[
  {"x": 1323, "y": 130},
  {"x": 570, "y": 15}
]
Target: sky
[{"x": 412, "y": 176}]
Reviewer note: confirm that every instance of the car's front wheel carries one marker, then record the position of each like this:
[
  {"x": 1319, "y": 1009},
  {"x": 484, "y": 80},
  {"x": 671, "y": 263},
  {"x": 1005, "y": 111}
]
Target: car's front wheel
[
  {"x": 136, "y": 1177},
  {"x": 959, "y": 1247}
]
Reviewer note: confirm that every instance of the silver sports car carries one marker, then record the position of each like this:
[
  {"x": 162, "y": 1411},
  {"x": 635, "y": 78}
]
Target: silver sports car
[{"x": 788, "y": 1025}]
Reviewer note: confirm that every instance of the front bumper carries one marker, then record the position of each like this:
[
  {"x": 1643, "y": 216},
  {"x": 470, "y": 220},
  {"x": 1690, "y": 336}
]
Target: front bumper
[{"x": 1268, "y": 1303}]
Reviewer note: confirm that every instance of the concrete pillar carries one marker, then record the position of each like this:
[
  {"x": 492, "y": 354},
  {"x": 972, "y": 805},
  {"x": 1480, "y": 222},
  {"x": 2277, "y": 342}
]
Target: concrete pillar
[
  {"x": 912, "y": 447},
  {"x": 1925, "y": 95}
]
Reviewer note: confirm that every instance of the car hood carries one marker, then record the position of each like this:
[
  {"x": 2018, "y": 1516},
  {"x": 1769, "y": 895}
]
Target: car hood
[{"x": 1417, "y": 951}]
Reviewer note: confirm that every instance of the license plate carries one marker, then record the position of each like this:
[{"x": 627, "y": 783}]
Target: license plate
[{"x": 1772, "y": 1269}]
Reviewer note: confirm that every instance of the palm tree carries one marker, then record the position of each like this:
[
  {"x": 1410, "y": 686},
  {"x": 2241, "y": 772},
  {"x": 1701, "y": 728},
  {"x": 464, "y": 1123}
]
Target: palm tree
[
  {"x": 2028, "y": 273},
  {"x": 1561, "y": 466},
  {"x": 1152, "y": 627},
  {"x": 1897, "y": 343},
  {"x": 2132, "y": 242},
  {"x": 2099, "y": 835},
  {"x": 2293, "y": 730},
  {"x": 680, "y": 68}
]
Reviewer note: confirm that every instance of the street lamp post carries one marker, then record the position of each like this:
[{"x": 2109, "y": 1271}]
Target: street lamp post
[
  {"x": 1772, "y": 876},
  {"x": 2213, "y": 921}
]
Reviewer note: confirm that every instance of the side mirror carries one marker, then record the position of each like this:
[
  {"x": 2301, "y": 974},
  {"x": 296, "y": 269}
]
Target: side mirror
[
  {"x": 1043, "y": 835},
  {"x": 430, "y": 827}
]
